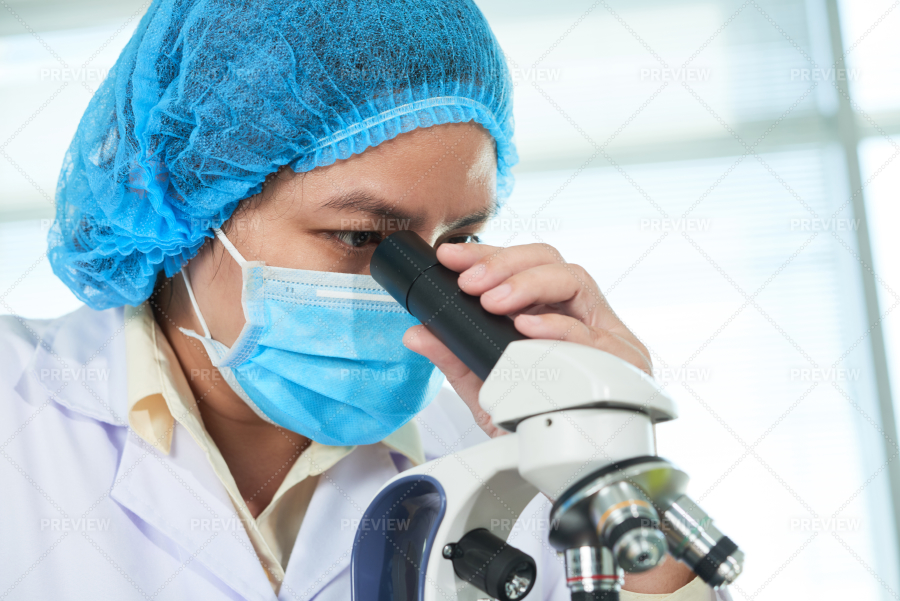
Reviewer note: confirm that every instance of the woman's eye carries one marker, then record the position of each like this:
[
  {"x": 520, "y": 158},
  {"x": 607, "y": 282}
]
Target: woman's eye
[
  {"x": 357, "y": 239},
  {"x": 463, "y": 239}
]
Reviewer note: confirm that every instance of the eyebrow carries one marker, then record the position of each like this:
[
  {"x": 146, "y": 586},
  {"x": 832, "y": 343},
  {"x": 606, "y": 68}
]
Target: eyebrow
[
  {"x": 476, "y": 218},
  {"x": 362, "y": 202}
]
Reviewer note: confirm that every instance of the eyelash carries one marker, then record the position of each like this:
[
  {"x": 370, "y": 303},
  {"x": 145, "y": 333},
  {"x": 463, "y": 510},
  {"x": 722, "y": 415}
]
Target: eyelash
[
  {"x": 473, "y": 239},
  {"x": 345, "y": 237}
]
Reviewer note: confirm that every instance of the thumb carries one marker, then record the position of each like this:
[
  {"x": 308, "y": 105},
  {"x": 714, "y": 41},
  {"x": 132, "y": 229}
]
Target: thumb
[{"x": 466, "y": 384}]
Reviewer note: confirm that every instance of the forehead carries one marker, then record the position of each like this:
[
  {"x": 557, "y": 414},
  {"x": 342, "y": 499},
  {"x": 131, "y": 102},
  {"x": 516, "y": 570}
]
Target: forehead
[{"x": 440, "y": 173}]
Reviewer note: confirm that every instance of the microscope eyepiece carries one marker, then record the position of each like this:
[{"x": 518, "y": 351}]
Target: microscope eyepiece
[{"x": 407, "y": 267}]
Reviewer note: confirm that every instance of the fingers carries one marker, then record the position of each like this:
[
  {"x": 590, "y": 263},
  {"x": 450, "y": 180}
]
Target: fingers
[
  {"x": 483, "y": 267},
  {"x": 460, "y": 257},
  {"x": 567, "y": 288},
  {"x": 419, "y": 340},
  {"x": 553, "y": 326},
  {"x": 534, "y": 278},
  {"x": 509, "y": 280}
]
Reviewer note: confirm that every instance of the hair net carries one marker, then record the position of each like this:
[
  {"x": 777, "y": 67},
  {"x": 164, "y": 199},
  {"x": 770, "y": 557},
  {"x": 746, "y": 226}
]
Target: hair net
[{"x": 210, "y": 96}]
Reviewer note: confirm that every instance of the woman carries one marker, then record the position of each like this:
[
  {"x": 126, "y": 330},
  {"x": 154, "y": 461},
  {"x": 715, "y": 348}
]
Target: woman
[{"x": 186, "y": 435}]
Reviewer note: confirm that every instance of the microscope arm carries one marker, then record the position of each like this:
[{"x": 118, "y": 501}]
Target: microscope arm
[{"x": 483, "y": 489}]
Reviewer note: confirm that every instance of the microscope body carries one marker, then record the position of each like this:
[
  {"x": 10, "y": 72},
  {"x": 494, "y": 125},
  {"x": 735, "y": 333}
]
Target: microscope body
[{"x": 579, "y": 425}]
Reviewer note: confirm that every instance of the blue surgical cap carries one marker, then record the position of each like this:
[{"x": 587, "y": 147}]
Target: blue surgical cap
[{"x": 211, "y": 96}]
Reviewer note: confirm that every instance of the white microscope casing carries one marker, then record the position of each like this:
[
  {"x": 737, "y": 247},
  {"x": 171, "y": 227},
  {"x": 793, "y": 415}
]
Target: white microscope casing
[{"x": 570, "y": 410}]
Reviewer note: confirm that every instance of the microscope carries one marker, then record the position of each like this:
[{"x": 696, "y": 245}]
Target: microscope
[{"x": 580, "y": 431}]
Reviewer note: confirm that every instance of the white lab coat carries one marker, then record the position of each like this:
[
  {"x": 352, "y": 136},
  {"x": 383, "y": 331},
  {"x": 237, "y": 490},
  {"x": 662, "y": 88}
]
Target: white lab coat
[{"x": 90, "y": 511}]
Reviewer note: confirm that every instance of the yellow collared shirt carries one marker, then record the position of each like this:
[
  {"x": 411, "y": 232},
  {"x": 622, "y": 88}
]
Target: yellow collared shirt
[{"x": 159, "y": 395}]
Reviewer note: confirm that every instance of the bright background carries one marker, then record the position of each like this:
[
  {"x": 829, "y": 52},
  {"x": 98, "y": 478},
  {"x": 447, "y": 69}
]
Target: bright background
[{"x": 733, "y": 194}]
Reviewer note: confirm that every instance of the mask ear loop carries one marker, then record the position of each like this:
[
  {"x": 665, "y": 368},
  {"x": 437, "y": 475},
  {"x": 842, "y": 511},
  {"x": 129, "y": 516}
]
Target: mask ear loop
[
  {"x": 230, "y": 247},
  {"x": 235, "y": 254},
  {"x": 187, "y": 284}
]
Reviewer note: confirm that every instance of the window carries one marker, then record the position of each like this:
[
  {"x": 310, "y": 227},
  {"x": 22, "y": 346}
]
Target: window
[
  {"x": 697, "y": 157},
  {"x": 691, "y": 156}
]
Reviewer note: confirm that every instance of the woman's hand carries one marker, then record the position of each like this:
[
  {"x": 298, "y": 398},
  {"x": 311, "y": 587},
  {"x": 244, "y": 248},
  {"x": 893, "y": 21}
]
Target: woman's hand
[{"x": 548, "y": 298}]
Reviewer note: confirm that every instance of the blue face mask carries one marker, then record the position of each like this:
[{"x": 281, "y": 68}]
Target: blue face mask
[{"x": 321, "y": 354}]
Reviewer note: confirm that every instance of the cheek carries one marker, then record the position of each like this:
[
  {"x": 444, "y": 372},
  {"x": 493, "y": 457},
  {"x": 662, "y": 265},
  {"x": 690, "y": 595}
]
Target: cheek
[
  {"x": 217, "y": 283},
  {"x": 229, "y": 316}
]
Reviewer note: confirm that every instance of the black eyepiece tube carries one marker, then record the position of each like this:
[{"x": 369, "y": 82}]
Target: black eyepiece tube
[{"x": 408, "y": 268}]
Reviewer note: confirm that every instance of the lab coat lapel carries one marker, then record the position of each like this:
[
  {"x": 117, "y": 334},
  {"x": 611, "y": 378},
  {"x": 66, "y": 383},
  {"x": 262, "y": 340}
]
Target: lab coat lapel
[
  {"x": 78, "y": 362},
  {"x": 180, "y": 496},
  {"x": 325, "y": 542}
]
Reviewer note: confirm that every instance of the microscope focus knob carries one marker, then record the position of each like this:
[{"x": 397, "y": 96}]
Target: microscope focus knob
[{"x": 491, "y": 565}]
